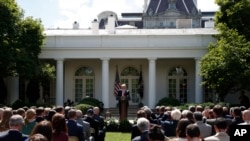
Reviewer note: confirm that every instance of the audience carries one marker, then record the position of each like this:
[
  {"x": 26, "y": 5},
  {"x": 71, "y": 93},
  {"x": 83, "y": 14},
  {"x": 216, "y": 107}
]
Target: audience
[
  {"x": 74, "y": 128},
  {"x": 156, "y": 133},
  {"x": 205, "y": 129},
  {"x": 85, "y": 125},
  {"x": 37, "y": 137},
  {"x": 4, "y": 123}
]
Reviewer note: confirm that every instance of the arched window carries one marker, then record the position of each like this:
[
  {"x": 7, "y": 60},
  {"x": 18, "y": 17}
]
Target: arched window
[
  {"x": 84, "y": 83},
  {"x": 130, "y": 77},
  {"x": 177, "y": 83}
]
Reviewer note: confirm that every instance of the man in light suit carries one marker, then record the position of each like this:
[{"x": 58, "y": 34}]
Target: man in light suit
[
  {"x": 85, "y": 125},
  {"x": 205, "y": 129},
  {"x": 220, "y": 127},
  {"x": 123, "y": 92}
]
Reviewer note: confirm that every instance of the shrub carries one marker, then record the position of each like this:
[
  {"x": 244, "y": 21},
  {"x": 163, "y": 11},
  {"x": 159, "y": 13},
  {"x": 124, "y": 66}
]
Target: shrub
[
  {"x": 125, "y": 126},
  {"x": 112, "y": 125},
  {"x": 93, "y": 102},
  {"x": 168, "y": 101},
  {"x": 18, "y": 104},
  {"x": 83, "y": 107}
]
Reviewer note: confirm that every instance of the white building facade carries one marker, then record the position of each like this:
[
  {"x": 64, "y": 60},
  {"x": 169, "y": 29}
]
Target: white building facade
[{"x": 87, "y": 60}]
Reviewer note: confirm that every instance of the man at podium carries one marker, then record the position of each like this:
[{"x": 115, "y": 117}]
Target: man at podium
[{"x": 123, "y": 98}]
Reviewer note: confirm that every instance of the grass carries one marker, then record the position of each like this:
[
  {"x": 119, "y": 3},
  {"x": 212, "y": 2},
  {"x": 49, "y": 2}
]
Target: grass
[{"x": 117, "y": 136}]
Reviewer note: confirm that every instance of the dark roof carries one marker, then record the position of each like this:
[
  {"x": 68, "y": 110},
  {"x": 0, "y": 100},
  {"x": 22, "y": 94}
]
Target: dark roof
[
  {"x": 131, "y": 14},
  {"x": 185, "y": 6}
]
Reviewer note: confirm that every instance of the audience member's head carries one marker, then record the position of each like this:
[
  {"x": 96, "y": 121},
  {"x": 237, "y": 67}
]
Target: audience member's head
[
  {"x": 199, "y": 108},
  {"x": 72, "y": 114},
  {"x": 16, "y": 122},
  {"x": 198, "y": 116},
  {"x": 143, "y": 124},
  {"x": 192, "y": 108},
  {"x": 220, "y": 125},
  {"x": 37, "y": 137},
  {"x": 141, "y": 113},
  {"x": 218, "y": 111},
  {"x": 181, "y": 127},
  {"x": 40, "y": 111},
  {"x": 29, "y": 115},
  {"x": 21, "y": 111},
  {"x": 79, "y": 114},
  {"x": 176, "y": 114},
  {"x": 96, "y": 110},
  {"x": 236, "y": 112},
  {"x": 4, "y": 124},
  {"x": 156, "y": 133},
  {"x": 43, "y": 127},
  {"x": 192, "y": 132},
  {"x": 59, "y": 109},
  {"x": 59, "y": 124},
  {"x": 51, "y": 113},
  {"x": 246, "y": 115}
]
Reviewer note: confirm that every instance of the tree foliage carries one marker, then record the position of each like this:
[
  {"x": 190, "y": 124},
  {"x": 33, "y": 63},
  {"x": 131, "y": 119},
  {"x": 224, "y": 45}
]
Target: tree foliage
[
  {"x": 21, "y": 40},
  {"x": 226, "y": 66}
]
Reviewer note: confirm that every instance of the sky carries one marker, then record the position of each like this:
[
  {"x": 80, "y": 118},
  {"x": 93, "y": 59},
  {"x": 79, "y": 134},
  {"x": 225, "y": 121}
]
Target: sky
[{"x": 62, "y": 13}]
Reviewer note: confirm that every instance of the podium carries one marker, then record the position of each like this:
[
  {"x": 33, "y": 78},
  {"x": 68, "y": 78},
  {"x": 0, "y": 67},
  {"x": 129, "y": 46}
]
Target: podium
[{"x": 123, "y": 104}]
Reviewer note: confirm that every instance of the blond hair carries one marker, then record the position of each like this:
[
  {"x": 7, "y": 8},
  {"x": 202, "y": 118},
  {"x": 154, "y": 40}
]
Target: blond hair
[{"x": 30, "y": 114}]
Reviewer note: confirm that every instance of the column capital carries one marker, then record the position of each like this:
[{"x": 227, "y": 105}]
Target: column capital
[
  {"x": 152, "y": 58},
  {"x": 59, "y": 59},
  {"x": 105, "y": 59}
]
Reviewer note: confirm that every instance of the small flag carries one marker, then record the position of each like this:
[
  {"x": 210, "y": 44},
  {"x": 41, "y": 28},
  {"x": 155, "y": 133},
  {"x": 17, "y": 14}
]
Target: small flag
[{"x": 117, "y": 86}]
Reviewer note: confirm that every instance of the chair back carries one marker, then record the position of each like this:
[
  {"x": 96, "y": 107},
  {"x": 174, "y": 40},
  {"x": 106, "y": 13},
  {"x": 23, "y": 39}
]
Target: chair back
[{"x": 73, "y": 138}]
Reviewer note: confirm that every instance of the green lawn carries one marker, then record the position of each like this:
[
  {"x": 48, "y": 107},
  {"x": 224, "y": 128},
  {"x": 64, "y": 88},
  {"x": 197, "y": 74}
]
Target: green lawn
[{"x": 117, "y": 136}]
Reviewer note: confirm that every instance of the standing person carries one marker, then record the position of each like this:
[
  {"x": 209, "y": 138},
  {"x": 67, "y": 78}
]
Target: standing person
[
  {"x": 123, "y": 92},
  {"x": 244, "y": 100}
]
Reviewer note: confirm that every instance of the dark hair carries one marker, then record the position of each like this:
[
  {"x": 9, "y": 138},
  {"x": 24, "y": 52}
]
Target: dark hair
[
  {"x": 39, "y": 111},
  {"x": 193, "y": 130},
  {"x": 156, "y": 133},
  {"x": 221, "y": 123},
  {"x": 38, "y": 137},
  {"x": 59, "y": 109},
  {"x": 50, "y": 115},
  {"x": 181, "y": 127},
  {"x": 72, "y": 113},
  {"x": 198, "y": 116},
  {"x": 59, "y": 124},
  {"x": 45, "y": 128},
  {"x": 218, "y": 110}
]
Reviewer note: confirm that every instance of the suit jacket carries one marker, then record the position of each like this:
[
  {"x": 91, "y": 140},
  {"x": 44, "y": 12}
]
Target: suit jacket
[
  {"x": 13, "y": 135},
  {"x": 142, "y": 137},
  {"x": 220, "y": 136},
  {"x": 126, "y": 93},
  {"x": 169, "y": 127},
  {"x": 75, "y": 129},
  {"x": 205, "y": 129},
  {"x": 135, "y": 131},
  {"x": 93, "y": 124},
  {"x": 86, "y": 127}
]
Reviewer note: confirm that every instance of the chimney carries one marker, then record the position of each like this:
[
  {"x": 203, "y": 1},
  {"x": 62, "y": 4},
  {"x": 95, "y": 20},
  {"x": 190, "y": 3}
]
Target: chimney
[
  {"x": 95, "y": 26},
  {"x": 111, "y": 24},
  {"x": 75, "y": 25},
  {"x": 209, "y": 23}
]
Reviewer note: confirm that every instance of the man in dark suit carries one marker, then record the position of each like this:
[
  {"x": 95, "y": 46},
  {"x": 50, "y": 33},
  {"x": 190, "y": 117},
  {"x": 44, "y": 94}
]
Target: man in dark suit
[
  {"x": 74, "y": 128},
  {"x": 123, "y": 93},
  {"x": 94, "y": 124},
  {"x": 14, "y": 134},
  {"x": 100, "y": 119}
]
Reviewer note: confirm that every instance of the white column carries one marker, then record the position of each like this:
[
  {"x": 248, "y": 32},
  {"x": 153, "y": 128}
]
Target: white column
[
  {"x": 152, "y": 83},
  {"x": 105, "y": 82},
  {"x": 198, "y": 80},
  {"x": 12, "y": 89},
  {"x": 59, "y": 82}
]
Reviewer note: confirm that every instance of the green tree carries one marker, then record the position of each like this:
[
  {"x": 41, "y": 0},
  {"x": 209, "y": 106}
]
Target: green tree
[
  {"x": 226, "y": 66},
  {"x": 21, "y": 40}
]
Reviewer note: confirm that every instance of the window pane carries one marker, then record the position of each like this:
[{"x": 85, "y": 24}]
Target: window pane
[{"x": 78, "y": 90}]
